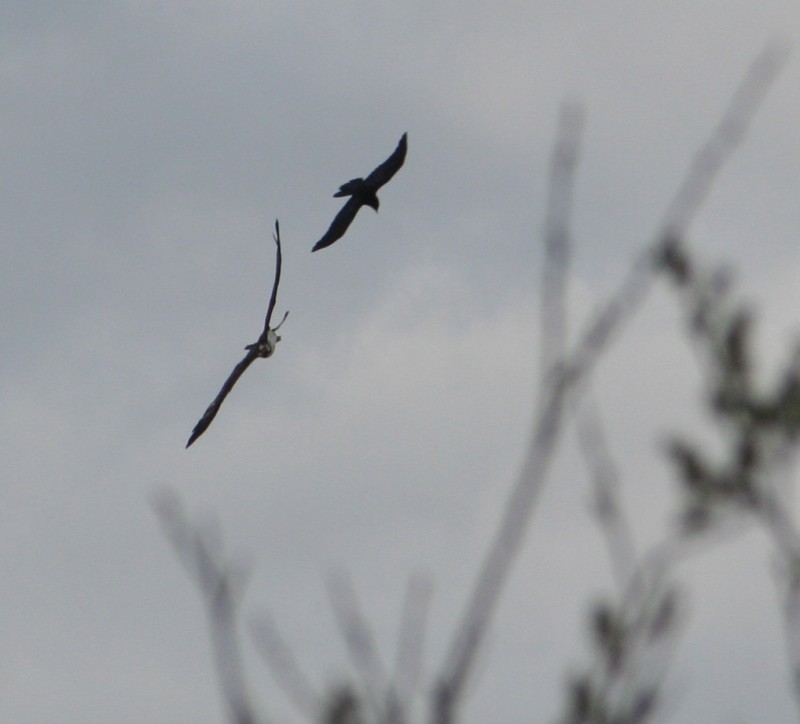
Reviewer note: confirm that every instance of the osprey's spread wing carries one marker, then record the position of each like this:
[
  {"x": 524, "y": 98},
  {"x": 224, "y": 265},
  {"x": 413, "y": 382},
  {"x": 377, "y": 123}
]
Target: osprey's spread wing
[
  {"x": 389, "y": 167},
  {"x": 339, "y": 225},
  {"x": 264, "y": 347},
  {"x": 274, "y": 296},
  {"x": 213, "y": 408}
]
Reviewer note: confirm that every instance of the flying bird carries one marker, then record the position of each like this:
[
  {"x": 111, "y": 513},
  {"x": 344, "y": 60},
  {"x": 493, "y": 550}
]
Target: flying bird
[
  {"x": 362, "y": 192},
  {"x": 263, "y": 347}
]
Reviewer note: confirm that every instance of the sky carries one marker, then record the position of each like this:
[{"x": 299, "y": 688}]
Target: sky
[{"x": 146, "y": 149}]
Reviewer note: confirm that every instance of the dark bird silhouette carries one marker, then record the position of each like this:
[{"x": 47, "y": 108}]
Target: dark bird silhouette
[
  {"x": 362, "y": 192},
  {"x": 264, "y": 347}
]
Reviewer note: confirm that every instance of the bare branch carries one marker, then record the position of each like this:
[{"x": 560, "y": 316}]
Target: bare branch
[
  {"x": 557, "y": 236},
  {"x": 728, "y": 134},
  {"x": 221, "y": 585},
  {"x": 607, "y": 508},
  {"x": 411, "y": 637},
  {"x": 566, "y": 378},
  {"x": 281, "y": 662},
  {"x": 359, "y": 641},
  {"x": 790, "y": 578}
]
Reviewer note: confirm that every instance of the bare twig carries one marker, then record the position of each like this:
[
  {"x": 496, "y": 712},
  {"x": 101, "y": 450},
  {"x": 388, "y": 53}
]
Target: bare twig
[
  {"x": 574, "y": 371},
  {"x": 557, "y": 235},
  {"x": 281, "y": 662},
  {"x": 785, "y": 536},
  {"x": 634, "y": 632},
  {"x": 607, "y": 508},
  {"x": 411, "y": 637},
  {"x": 790, "y": 577},
  {"x": 360, "y": 643},
  {"x": 633, "y": 637},
  {"x": 221, "y": 584},
  {"x": 728, "y": 134}
]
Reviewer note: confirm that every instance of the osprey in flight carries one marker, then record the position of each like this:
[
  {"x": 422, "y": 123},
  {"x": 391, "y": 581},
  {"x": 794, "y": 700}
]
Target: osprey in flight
[
  {"x": 264, "y": 347},
  {"x": 362, "y": 191}
]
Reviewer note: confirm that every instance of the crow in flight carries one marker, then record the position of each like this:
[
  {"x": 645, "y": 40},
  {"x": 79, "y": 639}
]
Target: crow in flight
[
  {"x": 362, "y": 191},
  {"x": 264, "y": 347}
]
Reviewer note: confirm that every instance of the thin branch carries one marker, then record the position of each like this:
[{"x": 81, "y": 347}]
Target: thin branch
[
  {"x": 557, "y": 243},
  {"x": 786, "y": 539},
  {"x": 607, "y": 508},
  {"x": 221, "y": 584},
  {"x": 728, "y": 134},
  {"x": 281, "y": 662},
  {"x": 411, "y": 637},
  {"x": 791, "y": 622},
  {"x": 576, "y": 368},
  {"x": 359, "y": 641}
]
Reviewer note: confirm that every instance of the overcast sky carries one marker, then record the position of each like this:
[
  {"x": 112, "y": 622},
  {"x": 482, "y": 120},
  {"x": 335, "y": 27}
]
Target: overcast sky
[{"x": 146, "y": 149}]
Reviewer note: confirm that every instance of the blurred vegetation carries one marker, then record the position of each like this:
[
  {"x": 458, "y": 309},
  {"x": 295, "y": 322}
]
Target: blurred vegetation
[{"x": 634, "y": 629}]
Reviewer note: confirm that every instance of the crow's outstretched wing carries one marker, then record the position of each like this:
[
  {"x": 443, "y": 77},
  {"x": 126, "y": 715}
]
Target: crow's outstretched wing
[
  {"x": 389, "y": 167},
  {"x": 213, "y": 408},
  {"x": 339, "y": 225},
  {"x": 253, "y": 350}
]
